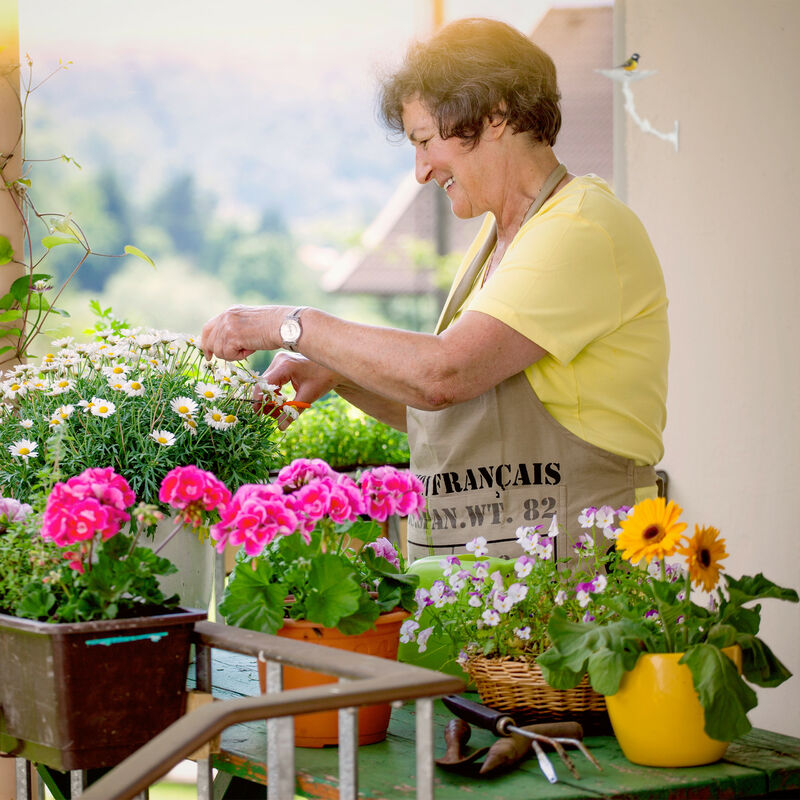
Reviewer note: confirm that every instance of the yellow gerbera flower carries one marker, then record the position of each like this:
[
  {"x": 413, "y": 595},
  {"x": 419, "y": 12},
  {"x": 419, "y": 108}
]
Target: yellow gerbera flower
[
  {"x": 651, "y": 531},
  {"x": 703, "y": 553}
]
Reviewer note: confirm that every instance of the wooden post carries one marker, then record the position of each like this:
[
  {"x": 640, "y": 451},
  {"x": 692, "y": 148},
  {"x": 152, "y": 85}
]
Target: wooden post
[
  {"x": 10, "y": 153},
  {"x": 10, "y": 222}
]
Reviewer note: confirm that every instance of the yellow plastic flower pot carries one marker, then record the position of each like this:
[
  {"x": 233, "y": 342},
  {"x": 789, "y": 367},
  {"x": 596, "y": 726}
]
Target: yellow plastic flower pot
[{"x": 657, "y": 716}]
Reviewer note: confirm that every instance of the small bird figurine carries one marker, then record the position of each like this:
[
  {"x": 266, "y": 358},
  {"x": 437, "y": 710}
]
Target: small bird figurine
[{"x": 631, "y": 64}]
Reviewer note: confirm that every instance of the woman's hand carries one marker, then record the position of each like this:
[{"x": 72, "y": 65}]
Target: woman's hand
[
  {"x": 309, "y": 380},
  {"x": 240, "y": 331}
]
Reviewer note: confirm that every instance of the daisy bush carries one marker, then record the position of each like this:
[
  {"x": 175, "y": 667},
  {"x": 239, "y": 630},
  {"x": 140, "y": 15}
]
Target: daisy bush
[
  {"x": 77, "y": 558},
  {"x": 142, "y": 401},
  {"x": 312, "y": 547},
  {"x": 684, "y": 603},
  {"x": 490, "y": 607}
]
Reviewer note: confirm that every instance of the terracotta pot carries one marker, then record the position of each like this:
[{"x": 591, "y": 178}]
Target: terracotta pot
[
  {"x": 657, "y": 716},
  {"x": 322, "y": 728}
]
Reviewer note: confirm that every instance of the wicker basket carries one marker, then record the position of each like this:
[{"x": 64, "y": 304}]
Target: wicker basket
[{"x": 518, "y": 688}]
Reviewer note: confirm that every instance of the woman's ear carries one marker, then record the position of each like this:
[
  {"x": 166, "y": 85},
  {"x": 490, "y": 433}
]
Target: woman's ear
[{"x": 496, "y": 123}]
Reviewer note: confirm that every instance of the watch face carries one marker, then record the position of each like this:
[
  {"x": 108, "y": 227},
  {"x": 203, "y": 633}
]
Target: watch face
[{"x": 290, "y": 330}]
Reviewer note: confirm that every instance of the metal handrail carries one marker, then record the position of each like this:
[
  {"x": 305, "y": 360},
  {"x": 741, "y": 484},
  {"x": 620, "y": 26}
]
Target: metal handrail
[{"x": 366, "y": 680}]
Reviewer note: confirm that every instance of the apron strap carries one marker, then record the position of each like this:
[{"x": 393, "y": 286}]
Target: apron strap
[{"x": 456, "y": 299}]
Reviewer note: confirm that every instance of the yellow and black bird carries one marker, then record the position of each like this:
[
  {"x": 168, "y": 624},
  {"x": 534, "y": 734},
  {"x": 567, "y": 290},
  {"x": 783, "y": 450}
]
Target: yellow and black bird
[{"x": 631, "y": 64}]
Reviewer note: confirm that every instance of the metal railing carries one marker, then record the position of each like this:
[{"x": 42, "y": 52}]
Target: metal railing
[{"x": 363, "y": 680}]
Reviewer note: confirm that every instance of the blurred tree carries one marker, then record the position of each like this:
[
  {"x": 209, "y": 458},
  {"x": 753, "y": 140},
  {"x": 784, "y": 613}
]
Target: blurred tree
[{"x": 184, "y": 214}]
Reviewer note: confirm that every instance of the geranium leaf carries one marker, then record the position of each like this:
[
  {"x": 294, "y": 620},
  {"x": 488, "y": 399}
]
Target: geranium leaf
[
  {"x": 606, "y": 668},
  {"x": 335, "y": 592},
  {"x": 725, "y": 697},
  {"x": 252, "y": 600},
  {"x": 362, "y": 620},
  {"x": 721, "y": 636}
]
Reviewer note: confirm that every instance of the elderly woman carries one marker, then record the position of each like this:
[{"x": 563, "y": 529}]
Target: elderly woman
[{"x": 542, "y": 390}]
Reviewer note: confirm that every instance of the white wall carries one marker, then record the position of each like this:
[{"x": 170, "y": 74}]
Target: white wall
[{"x": 724, "y": 216}]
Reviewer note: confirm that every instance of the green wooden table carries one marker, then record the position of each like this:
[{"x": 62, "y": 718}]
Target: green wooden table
[{"x": 761, "y": 764}]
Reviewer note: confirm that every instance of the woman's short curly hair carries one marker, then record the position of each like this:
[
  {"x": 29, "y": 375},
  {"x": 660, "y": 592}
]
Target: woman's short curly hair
[{"x": 471, "y": 69}]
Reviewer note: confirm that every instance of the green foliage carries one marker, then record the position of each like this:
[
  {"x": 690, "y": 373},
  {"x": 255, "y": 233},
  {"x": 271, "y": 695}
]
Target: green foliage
[
  {"x": 343, "y": 436},
  {"x": 37, "y": 582}
]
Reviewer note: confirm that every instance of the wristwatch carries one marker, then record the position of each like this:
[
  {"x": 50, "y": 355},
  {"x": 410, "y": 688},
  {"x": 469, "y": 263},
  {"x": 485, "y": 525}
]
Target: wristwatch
[{"x": 291, "y": 329}]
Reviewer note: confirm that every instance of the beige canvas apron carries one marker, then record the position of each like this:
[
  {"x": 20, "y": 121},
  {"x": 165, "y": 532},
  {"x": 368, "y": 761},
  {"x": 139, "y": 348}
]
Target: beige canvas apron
[{"x": 500, "y": 460}]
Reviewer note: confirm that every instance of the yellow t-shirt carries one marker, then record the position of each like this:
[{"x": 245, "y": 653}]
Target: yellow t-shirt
[{"x": 581, "y": 279}]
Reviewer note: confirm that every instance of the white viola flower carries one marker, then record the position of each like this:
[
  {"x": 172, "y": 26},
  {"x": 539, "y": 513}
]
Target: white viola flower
[
  {"x": 544, "y": 548},
  {"x": 604, "y": 516},
  {"x": 481, "y": 570},
  {"x": 530, "y": 543},
  {"x": 497, "y": 579},
  {"x": 524, "y": 531},
  {"x": 478, "y": 546},
  {"x": 448, "y": 564},
  {"x": 523, "y": 633},
  {"x": 61, "y": 386},
  {"x": 584, "y": 545},
  {"x": 600, "y": 582},
  {"x": 458, "y": 580},
  {"x": 184, "y": 407},
  {"x": 475, "y": 599},
  {"x": 502, "y": 603},
  {"x": 441, "y": 594},
  {"x": 552, "y": 531},
  {"x": 208, "y": 391},
  {"x": 215, "y": 418},
  {"x": 560, "y": 597},
  {"x": 654, "y": 568},
  {"x": 117, "y": 369},
  {"x": 523, "y": 566},
  {"x": 23, "y": 448},
  {"x": 611, "y": 532},
  {"x": 423, "y": 599},
  {"x": 26, "y": 423},
  {"x": 102, "y": 407},
  {"x": 584, "y": 598},
  {"x": 586, "y": 517},
  {"x": 490, "y": 617},
  {"x": 164, "y": 438},
  {"x": 408, "y": 631},
  {"x": 623, "y": 512},
  {"x": 422, "y": 639},
  {"x": 681, "y": 596},
  {"x": 133, "y": 388},
  {"x": 517, "y": 592}
]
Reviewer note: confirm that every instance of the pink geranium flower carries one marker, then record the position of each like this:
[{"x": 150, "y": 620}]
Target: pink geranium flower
[
  {"x": 388, "y": 491},
  {"x": 383, "y": 547},
  {"x": 255, "y": 515},
  {"x": 302, "y": 471},
  {"x": 192, "y": 491}
]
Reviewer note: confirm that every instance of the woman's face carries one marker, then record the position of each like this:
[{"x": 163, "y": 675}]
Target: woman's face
[{"x": 462, "y": 172}]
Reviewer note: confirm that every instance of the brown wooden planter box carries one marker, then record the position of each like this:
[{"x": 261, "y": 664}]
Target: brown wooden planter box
[{"x": 87, "y": 694}]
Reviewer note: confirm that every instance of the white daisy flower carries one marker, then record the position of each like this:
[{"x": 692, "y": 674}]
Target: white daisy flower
[
  {"x": 55, "y": 422},
  {"x": 116, "y": 384},
  {"x": 133, "y": 388},
  {"x": 230, "y": 420},
  {"x": 116, "y": 370},
  {"x": 23, "y": 448},
  {"x": 183, "y": 406},
  {"x": 146, "y": 340},
  {"x": 12, "y": 389},
  {"x": 86, "y": 405},
  {"x": 64, "y": 412},
  {"x": 208, "y": 391},
  {"x": 26, "y": 423},
  {"x": 215, "y": 418},
  {"x": 164, "y": 438},
  {"x": 62, "y": 385},
  {"x": 102, "y": 407},
  {"x": 190, "y": 425},
  {"x": 67, "y": 341}
]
